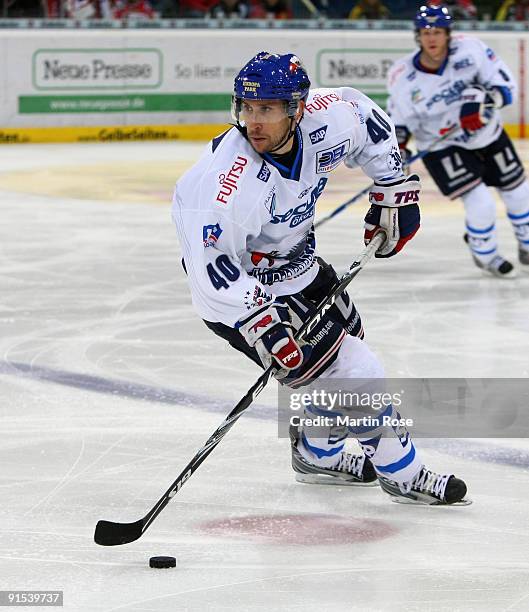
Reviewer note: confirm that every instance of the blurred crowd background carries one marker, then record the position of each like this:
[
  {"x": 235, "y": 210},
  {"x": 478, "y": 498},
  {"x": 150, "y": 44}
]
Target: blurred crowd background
[{"x": 488, "y": 10}]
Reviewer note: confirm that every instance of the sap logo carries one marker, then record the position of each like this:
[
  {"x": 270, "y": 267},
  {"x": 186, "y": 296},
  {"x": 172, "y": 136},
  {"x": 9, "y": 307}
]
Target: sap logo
[
  {"x": 304, "y": 211},
  {"x": 328, "y": 159},
  {"x": 264, "y": 173},
  {"x": 318, "y": 135},
  {"x": 210, "y": 234},
  {"x": 229, "y": 181},
  {"x": 464, "y": 63},
  {"x": 447, "y": 95}
]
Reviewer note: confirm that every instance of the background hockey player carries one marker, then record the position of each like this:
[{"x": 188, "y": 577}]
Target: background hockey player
[
  {"x": 244, "y": 214},
  {"x": 461, "y": 82}
]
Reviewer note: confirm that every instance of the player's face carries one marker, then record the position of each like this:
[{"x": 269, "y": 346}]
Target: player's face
[
  {"x": 434, "y": 42},
  {"x": 267, "y": 124}
]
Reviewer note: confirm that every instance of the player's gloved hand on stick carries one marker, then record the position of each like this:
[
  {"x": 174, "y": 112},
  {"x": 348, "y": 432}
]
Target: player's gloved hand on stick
[
  {"x": 395, "y": 211},
  {"x": 269, "y": 329},
  {"x": 475, "y": 111}
]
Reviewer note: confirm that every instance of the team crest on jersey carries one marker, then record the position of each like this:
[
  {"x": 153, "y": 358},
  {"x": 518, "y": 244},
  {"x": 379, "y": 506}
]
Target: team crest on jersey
[
  {"x": 264, "y": 173},
  {"x": 328, "y": 159},
  {"x": 416, "y": 96},
  {"x": 490, "y": 54},
  {"x": 318, "y": 135},
  {"x": 257, "y": 298},
  {"x": 210, "y": 234}
]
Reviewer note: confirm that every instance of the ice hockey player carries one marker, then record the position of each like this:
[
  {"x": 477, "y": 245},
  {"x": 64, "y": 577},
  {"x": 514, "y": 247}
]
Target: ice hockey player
[
  {"x": 244, "y": 214},
  {"x": 457, "y": 84}
]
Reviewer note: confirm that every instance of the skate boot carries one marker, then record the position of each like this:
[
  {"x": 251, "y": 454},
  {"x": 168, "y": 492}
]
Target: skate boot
[
  {"x": 498, "y": 266},
  {"x": 427, "y": 488},
  {"x": 350, "y": 470}
]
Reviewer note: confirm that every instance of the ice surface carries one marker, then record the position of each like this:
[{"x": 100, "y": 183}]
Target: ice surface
[{"x": 110, "y": 383}]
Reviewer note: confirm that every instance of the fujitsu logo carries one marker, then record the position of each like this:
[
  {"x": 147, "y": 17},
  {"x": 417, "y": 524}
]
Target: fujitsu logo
[
  {"x": 229, "y": 181},
  {"x": 321, "y": 102}
]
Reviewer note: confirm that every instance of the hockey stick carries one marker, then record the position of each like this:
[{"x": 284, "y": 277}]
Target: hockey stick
[
  {"x": 108, "y": 533},
  {"x": 410, "y": 161},
  {"x": 311, "y": 7}
]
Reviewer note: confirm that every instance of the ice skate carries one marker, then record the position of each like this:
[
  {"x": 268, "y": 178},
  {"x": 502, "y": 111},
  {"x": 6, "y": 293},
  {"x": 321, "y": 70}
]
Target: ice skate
[
  {"x": 350, "y": 470},
  {"x": 523, "y": 257},
  {"x": 428, "y": 488},
  {"x": 498, "y": 266}
]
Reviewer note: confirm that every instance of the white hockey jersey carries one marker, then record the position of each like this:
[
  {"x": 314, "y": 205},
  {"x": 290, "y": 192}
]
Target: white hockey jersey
[
  {"x": 245, "y": 222},
  {"x": 429, "y": 104}
]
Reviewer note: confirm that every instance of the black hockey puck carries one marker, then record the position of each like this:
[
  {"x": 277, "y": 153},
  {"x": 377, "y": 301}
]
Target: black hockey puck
[{"x": 162, "y": 562}]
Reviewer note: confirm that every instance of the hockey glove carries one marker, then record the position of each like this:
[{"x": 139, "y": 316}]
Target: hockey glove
[
  {"x": 269, "y": 330},
  {"x": 394, "y": 210},
  {"x": 476, "y": 110}
]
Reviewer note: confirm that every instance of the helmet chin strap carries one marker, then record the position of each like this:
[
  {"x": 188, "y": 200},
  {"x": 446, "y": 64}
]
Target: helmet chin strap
[{"x": 290, "y": 133}]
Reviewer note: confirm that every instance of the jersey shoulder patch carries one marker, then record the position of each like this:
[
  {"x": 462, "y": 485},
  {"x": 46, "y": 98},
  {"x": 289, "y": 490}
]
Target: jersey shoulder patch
[
  {"x": 218, "y": 139},
  {"x": 400, "y": 69}
]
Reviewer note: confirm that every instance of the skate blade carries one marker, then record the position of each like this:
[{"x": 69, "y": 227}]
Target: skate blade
[
  {"x": 414, "y": 502},
  {"x": 509, "y": 276},
  {"x": 332, "y": 480}
]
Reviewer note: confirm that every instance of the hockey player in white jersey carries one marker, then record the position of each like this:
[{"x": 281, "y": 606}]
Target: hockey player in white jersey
[
  {"x": 244, "y": 215},
  {"x": 455, "y": 86}
]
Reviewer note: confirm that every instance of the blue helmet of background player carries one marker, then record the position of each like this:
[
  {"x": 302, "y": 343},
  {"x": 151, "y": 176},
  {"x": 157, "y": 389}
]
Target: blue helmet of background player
[
  {"x": 269, "y": 76},
  {"x": 436, "y": 16}
]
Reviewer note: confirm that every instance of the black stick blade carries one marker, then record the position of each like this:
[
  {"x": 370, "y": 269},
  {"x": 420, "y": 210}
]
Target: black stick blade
[{"x": 114, "y": 534}]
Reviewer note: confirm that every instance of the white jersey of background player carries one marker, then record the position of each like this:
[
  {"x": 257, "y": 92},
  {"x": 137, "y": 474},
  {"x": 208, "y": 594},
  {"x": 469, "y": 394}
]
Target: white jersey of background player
[
  {"x": 244, "y": 214},
  {"x": 461, "y": 82}
]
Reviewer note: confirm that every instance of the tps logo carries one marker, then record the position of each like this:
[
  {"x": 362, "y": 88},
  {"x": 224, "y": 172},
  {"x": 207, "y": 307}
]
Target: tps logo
[
  {"x": 210, "y": 234},
  {"x": 328, "y": 159},
  {"x": 318, "y": 135}
]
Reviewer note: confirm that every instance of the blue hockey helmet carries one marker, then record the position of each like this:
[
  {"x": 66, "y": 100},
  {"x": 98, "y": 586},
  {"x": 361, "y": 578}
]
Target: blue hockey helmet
[
  {"x": 435, "y": 16},
  {"x": 270, "y": 76}
]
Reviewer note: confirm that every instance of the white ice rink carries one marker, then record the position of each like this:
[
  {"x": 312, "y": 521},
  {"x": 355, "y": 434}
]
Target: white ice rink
[{"x": 110, "y": 383}]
